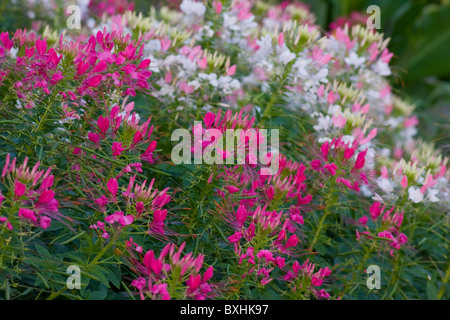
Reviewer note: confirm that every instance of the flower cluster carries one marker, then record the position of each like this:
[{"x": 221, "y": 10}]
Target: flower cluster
[
  {"x": 30, "y": 195},
  {"x": 144, "y": 203},
  {"x": 170, "y": 275}
]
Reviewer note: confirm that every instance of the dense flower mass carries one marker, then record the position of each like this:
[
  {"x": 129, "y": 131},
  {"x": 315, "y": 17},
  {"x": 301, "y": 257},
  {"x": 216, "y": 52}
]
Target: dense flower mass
[{"x": 95, "y": 110}]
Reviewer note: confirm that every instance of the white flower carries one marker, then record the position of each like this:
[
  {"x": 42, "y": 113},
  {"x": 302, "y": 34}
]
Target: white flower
[
  {"x": 316, "y": 79},
  {"x": 90, "y": 23},
  {"x": 265, "y": 65},
  {"x": 324, "y": 123},
  {"x": 300, "y": 68},
  {"x": 265, "y": 46},
  {"x": 432, "y": 195},
  {"x": 230, "y": 22},
  {"x": 286, "y": 55},
  {"x": 370, "y": 158},
  {"x": 382, "y": 68},
  {"x": 14, "y": 52},
  {"x": 354, "y": 60},
  {"x": 153, "y": 45},
  {"x": 193, "y": 8},
  {"x": 365, "y": 191},
  {"x": 194, "y": 83},
  {"x": 228, "y": 85},
  {"x": 415, "y": 195},
  {"x": 334, "y": 110},
  {"x": 324, "y": 139},
  {"x": 211, "y": 78},
  {"x": 348, "y": 139},
  {"x": 377, "y": 197},
  {"x": 385, "y": 185}
]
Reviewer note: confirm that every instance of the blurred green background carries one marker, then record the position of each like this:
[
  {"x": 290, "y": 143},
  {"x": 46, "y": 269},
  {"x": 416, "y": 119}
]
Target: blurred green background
[{"x": 420, "y": 39}]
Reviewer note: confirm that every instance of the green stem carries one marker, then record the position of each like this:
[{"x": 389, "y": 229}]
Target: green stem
[
  {"x": 106, "y": 248},
  {"x": 58, "y": 293},
  {"x": 319, "y": 229},
  {"x": 360, "y": 266},
  {"x": 50, "y": 104}
]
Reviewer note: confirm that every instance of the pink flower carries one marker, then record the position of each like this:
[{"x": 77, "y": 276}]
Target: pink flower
[
  {"x": 411, "y": 122},
  {"x": 331, "y": 167},
  {"x": 208, "y": 274},
  {"x": 291, "y": 242},
  {"x": 316, "y": 281},
  {"x": 344, "y": 182},
  {"x": 270, "y": 192},
  {"x": 363, "y": 220},
  {"x": 140, "y": 207},
  {"x": 94, "y": 81},
  {"x": 46, "y": 196},
  {"x": 19, "y": 189},
  {"x": 202, "y": 63},
  {"x": 316, "y": 164},
  {"x": 360, "y": 160},
  {"x": 112, "y": 186},
  {"x": 429, "y": 182},
  {"x": 209, "y": 119},
  {"x": 119, "y": 217},
  {"x": 103, "y": 123},
  {"x": 404, "y": 182},
  {"x": 232, "y": 189},
  {"x": 231, "y": 70},
  {"x": 45, "y": 222},
  {"x": 241, "y": 215},
  {"x": 95, "y": 138},
  {"x": 218, "y": 7},
  {"x": 375, "y": 210},
  {"x": 339, "y": 121},
  {"x": 117, "y": 148},
  {"x": 28, "y": 214},
  {"x": 266, "y": 254},
  {"x": 187, "y": 89},
  {"x": 325, "y": 149},
  {"x": 41, "y": 46},
  {"x": 57, "y": 76},
  {"x": 102, "y": 202},
  {"x": 331, "y": 98},
  {"x": 235, "y": 237},
  {"x": 156, "y": 265},
  {"x": 307, "y": 199},
  {"x": 8, "y": 224},
  {"x": 281, "y": 39},
  {"x": 159, "y": 215},
  {"x": 144, "y": 64},
  {"x": 193, "y": 282},
  {"x": 402, "y": 238}
]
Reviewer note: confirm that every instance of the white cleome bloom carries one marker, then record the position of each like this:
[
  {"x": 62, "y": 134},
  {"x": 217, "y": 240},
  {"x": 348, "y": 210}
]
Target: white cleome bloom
[
  {"x": 286, "y": 55},
  {"x": 354, "y": 60},
  {"x": 324, "y": 123},
  {"x": 432, "y": 195},
  {"x": 415, "y": 195},
  {"x": 382, "y": 68},
  {"x": 193, "y": 8},
  {"x": 385, "y": 185}
]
